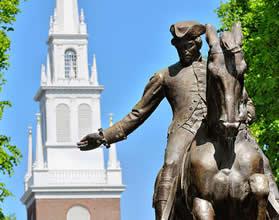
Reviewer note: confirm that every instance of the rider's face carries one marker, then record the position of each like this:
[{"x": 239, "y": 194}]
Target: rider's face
[{"x": 187, "y": 51}]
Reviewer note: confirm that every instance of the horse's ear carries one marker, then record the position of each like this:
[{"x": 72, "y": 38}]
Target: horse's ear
[
  {"x": 211, "y": 35},
  {"x": 237, "y": 32}
]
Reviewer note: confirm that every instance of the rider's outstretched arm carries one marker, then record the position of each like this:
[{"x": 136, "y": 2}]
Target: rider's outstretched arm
[{"x": 152, "y": 96}]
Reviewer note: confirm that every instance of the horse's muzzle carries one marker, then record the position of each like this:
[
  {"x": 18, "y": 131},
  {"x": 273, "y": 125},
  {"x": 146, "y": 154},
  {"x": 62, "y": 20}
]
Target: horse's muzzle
[
  {"x": 231, "y": 125},
  {"x": 229, "y": 129}
]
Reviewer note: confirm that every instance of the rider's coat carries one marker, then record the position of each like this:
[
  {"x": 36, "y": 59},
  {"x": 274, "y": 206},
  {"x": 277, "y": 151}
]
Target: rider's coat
[{"x": 184, "y": 88}]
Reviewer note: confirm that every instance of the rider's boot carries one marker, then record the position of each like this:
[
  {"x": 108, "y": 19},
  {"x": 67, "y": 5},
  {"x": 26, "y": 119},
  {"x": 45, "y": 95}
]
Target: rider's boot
[
  {"x": 159, "y": 209},
  {"x": 162, "y": 190}
]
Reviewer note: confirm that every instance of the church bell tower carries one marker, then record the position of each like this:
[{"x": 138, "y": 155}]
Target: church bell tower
[{"x": 63, "y": 183}]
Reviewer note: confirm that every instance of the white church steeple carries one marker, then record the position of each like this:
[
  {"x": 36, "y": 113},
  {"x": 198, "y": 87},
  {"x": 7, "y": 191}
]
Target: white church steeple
[
  {"x": 68, "y": 45},
  {"x": 70, "y": 108}
]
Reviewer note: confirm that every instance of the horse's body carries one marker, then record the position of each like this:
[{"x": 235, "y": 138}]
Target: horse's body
[{"x": 225, "y": 175}]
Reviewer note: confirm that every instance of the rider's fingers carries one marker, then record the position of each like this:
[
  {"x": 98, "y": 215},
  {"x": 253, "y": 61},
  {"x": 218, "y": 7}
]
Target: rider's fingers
[
  {"x": 85, "y": 148},
  {"x": 82, "y": 143}
]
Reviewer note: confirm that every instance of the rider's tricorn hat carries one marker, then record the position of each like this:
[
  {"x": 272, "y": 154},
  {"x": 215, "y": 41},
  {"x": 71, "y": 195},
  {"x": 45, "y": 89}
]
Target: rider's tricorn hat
[{"x": 187, "y": 29}]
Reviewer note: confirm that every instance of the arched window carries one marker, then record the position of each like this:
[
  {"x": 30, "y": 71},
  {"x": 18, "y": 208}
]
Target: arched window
[
  {"x": 84, "y": 120},
  {"x": 62, "y": 123},
  {"x": 70, "y": 64},
  {"x": 78, "y": 213}
]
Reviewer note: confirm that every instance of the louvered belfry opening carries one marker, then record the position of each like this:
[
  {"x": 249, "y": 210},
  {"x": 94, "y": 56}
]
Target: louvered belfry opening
[
  {"x": 63, "y": 123},
  {"x": 84, "y": 120}
]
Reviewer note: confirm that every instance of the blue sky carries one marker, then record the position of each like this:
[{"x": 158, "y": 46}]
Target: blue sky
[{"x": 131, "y": 41}]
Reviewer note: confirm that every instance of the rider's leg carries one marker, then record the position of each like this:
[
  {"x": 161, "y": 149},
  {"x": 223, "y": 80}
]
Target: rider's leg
[
  {"x": 202, "y": 210},
  {"x": 176, "y": 146},
  {"x": 260, "y": 188},
  {"x": 162, "y": 190}
]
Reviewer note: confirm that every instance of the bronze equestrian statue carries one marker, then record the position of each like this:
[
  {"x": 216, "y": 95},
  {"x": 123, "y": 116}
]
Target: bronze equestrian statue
[
  {"x": 222, "y": 174},
  {"x": 184, "y": 86}
]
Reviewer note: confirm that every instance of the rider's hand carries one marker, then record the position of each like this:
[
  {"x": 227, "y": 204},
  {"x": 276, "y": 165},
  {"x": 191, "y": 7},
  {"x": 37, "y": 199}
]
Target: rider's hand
[{"x": 91, "y": 141}]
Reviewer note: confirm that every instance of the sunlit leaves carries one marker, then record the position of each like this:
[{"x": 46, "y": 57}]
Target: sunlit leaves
[{"x": 9, "y": 154}]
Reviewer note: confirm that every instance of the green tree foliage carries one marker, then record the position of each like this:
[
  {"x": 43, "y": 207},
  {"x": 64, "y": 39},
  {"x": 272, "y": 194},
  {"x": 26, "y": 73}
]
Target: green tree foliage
[
  {"x": 260, "y": 23},
  {"x": 9, "y": 154},
  {"x": 10, "y": 217}
]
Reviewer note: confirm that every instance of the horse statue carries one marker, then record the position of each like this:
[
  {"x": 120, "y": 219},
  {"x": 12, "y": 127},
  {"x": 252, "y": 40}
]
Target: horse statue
[{"x": 222, "y": 173}]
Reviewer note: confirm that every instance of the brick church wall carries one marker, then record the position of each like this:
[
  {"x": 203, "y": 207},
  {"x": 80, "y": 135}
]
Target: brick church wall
[{"x": 56, "y": 209}]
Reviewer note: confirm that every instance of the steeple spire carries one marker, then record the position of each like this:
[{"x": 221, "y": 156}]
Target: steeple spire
[
  {"x": 39, "y": 144},
  {"x": 110, "y": 119},
  {"x": 81, "y": 18},
  {"x": 43, "y": 75},
  {"x": 113, "y": 162},
  {"x": 83, "y": 26},
  {"x": 94, "y": 72},
  {"x": 30, "y": 161},
  {"x": 66, "y": 17},
  {"x": 51, "y": 24}
]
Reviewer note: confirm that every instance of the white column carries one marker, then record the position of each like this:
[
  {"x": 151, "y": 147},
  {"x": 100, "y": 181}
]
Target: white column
[
  {"x": 39, "y": 144},
  {"x": 30, "y": 160}
]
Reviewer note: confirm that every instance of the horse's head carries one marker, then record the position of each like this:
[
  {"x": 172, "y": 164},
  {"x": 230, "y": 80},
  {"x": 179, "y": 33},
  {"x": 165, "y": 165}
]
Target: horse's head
[{"x": 226, "y": 97}]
